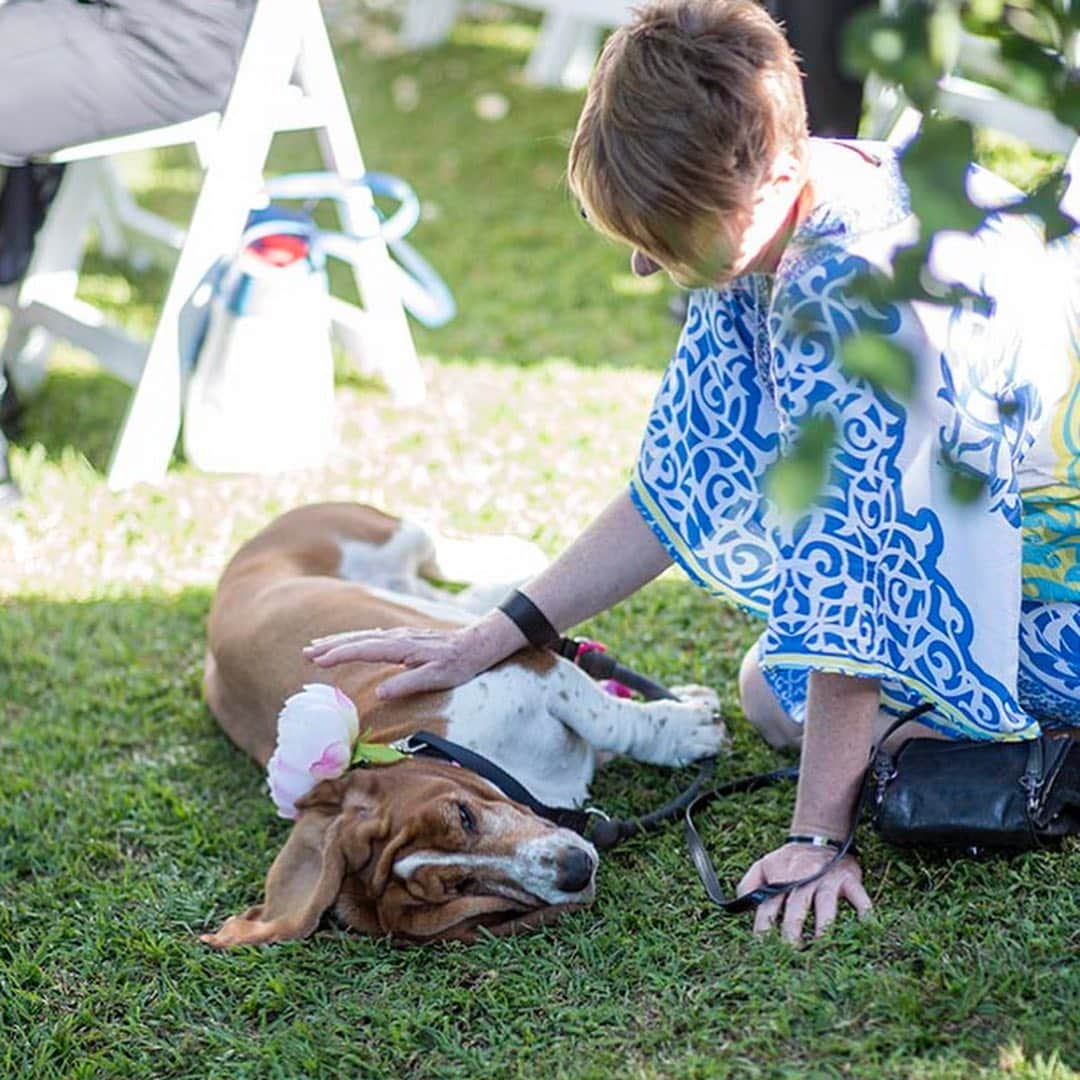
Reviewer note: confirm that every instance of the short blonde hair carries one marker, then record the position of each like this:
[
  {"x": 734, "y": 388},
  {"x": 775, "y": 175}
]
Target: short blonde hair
[{"x": 688, "y": 108}]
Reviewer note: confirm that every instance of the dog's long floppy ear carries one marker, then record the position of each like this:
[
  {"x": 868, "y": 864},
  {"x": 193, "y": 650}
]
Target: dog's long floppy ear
[
  {"x": 406, "y": 920},
  {"x": 303, "y": 881}
]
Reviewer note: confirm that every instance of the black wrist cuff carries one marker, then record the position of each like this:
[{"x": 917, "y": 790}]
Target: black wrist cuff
[{"x": 530, "y": 620}]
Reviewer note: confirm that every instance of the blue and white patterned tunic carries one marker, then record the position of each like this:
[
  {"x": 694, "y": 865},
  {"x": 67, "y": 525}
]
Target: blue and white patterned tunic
[{"x": 973, "y": 607}]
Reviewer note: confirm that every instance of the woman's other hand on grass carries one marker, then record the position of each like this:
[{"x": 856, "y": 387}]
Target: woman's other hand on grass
[{"x": 789, "y": 912}]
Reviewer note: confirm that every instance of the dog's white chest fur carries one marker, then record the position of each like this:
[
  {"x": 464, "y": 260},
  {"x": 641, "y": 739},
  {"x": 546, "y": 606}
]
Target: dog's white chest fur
[
  {"x": 545, "y": 729},
  {"x": 505, "y": 715}
]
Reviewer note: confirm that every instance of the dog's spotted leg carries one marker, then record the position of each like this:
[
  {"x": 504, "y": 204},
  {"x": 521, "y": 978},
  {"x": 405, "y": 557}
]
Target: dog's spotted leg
[{"x": 658, "y": 732}]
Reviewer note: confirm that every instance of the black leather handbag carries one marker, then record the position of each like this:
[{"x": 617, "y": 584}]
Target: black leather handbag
[
  {"x": 971, "y": 796},
  {"x": 964, "y": 796}
]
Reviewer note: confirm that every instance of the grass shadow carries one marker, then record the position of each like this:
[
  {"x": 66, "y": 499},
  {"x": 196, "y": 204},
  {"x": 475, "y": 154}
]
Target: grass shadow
[{"x": 80, "y": 411}]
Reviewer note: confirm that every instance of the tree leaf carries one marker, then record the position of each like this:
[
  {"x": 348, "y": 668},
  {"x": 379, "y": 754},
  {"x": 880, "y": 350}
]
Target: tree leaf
[
  {"x": 897, "y": 47},
  {"x": 911, "y": 279},
  {"x": 984, "y": 16},
  {"x": 1067, "y": 104},
  {"x": 935, "y": 167},
  {"x": 882, "y": 362},
  {"x": 1034, "y": 73},
  {"x": 373, "y": 753},
  {"x": 1045, "y": 203},
  {"x": 965, "y": 487},
  {"x": 796, "y": 479},
  {"x": 944, "y": 35}
]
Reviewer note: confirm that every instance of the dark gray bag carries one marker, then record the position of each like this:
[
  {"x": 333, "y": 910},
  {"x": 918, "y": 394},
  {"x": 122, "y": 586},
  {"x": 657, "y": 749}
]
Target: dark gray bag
[{"x": 974, "y": 796}]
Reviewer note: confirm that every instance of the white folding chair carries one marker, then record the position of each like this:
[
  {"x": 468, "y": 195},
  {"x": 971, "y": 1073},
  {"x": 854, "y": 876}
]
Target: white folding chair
[
  {"x": 566, "y": 46},
  {"x": 891, "y": 116},
  {"x": 286, "y": 80}
]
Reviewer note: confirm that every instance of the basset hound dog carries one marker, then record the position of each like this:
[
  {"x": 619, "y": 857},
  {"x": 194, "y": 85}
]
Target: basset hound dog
[{"x": 417, "y": 850}]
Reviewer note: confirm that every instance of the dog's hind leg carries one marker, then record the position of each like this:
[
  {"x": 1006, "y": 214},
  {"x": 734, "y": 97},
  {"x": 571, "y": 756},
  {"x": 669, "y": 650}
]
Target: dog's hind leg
[
  {"x": 658, "y": 732},
  {"x": 490, "y": 565},
  {"x": 397, "y": 565}
]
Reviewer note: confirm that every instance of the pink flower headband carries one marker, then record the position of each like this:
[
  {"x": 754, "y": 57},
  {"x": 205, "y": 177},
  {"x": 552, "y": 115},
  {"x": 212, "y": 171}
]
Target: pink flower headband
[{"x": 318, "y": 739}]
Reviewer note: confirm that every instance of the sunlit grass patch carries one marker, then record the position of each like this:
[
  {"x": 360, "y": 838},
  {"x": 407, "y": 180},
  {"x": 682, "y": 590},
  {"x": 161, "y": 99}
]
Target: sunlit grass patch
[{"x": 506, "y": 36}]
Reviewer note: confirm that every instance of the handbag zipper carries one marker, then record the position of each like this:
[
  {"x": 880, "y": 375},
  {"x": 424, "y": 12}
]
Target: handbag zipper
[
  {"x": 1032, "y": 780},
  {"x": 884, "y": 770},
  {"x": 1057, "y": 751}
]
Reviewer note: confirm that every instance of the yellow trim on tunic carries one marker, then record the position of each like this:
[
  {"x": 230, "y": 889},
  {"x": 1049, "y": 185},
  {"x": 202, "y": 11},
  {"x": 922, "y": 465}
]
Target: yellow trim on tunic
[
  {"x": 843, "y": 665},
  {"x": 718, "y": 588}
]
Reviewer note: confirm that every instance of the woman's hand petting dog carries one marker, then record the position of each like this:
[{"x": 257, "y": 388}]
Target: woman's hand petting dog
[
  {"x": 790, "y": 863},
  {"x": 433, "y": 659}
]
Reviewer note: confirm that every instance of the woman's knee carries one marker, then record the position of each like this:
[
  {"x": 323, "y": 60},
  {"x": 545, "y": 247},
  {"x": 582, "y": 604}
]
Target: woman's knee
[{"x": 762, "y": 708}]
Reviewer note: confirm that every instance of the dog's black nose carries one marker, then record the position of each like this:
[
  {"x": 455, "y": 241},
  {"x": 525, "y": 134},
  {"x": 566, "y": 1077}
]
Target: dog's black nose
[{"x": 575, "y": 870}]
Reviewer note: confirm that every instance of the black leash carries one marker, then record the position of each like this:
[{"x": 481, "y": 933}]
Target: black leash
[
  {"x": 593, "y": 824},
  {"x": 602, "y": 665},
  {"x": 426, "y": 744},
  {"x": 700, "y": 856}
]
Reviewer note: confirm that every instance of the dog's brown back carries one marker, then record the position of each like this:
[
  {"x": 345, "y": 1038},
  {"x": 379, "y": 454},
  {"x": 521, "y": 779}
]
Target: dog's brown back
[{"x": 279, "y": 591}]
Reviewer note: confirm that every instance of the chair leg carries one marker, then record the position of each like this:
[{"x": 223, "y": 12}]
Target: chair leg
[
  {"x": 53, "y": 276},
  {"x": 427, "y": 22},
  {"x": 128, "y": 231},
  {"x": 144, "y": 238},
  {"x": 388, "y": 342},
  {"x": 564, "y": 52},
  {"x": 229, "y": 187},
  {"x": 108, "y": 210}
]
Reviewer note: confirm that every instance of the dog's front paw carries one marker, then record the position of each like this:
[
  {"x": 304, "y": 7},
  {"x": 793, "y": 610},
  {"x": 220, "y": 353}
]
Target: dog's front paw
[
  {"x": 706, "y": 736},
  {"x": 688, "y": 729},
  {"x": 693, "y": 694}
]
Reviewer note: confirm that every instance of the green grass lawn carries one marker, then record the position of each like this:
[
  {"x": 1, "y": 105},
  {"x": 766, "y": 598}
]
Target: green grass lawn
[{"x": 128, "y": 824}]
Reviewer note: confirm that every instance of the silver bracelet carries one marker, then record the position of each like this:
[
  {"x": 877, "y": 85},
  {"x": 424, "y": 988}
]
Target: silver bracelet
[{"x": 813, "y": 840}]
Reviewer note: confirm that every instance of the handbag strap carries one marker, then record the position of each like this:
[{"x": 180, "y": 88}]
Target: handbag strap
[{"x": 700, "y": 856}]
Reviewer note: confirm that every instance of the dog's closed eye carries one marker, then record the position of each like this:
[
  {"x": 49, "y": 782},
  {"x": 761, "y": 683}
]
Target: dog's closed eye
[{"x": 468, "y": 818}]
